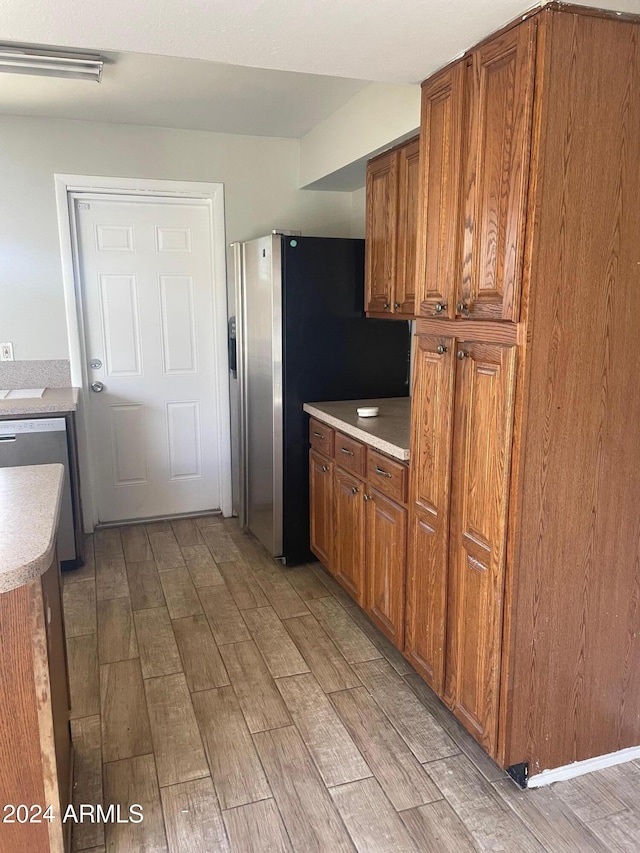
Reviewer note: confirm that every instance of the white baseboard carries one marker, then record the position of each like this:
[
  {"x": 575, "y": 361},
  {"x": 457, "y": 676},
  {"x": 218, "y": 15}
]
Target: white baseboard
[{"x": 579, "y": 768}]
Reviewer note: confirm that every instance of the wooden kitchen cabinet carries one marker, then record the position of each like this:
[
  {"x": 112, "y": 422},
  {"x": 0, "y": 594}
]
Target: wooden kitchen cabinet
[
  {"x": 385, "y": 564},
  {"x": 476, "y": 139},
  {"x": 321, "y": 507},
  {"x": 429, "y": 487},
  {"x": 391, "y": 231},
  {"x": 482, "y": 428},
  {"x": 349, "y": 547}
]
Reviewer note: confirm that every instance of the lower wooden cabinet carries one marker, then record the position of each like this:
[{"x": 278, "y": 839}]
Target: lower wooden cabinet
[
  {"x": 321, "y": 503},
  {"x": 385, "y": 563},
  {"x": 348, "y": 563}
]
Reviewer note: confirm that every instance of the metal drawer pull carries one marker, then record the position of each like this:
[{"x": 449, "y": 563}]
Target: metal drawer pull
[
  {"x": 354, "y": 491},
  {"x": 346, "y": 452},
  {"x": 318, "y": 435},
  {"x": 382, "y": 472}
]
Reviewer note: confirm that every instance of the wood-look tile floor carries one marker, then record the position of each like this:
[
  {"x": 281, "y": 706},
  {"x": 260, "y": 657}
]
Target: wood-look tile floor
[{"x": 249, "y": 707}]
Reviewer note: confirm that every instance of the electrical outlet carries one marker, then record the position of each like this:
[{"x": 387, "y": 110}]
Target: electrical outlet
[{"x": 6, "y": 352}]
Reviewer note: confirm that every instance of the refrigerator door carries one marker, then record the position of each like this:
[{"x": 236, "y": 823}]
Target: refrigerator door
[
  {"x": 262, "y": 389},
  {"x": 236, "y": 374}
]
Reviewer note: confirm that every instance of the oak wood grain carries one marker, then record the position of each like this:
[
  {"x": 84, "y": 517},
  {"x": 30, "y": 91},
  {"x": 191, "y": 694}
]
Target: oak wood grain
[
  {"x": 372, "y": 821},
  {"x": 84, "y": 686},
  {"x": 203, "y": 666},
  {"x": 321, "y": 508},
  {"x": 349, "y": 535},
  {"x": 325, "y": 736},
  {"x": 124, "y": 717},
  {"x": 399, "y": 772},
  {"x": 235, "y": 767},
  {"x": 257, "y": 827},
  {"x": 404, "y": 296},
  {"x": 381, "y": 239},
  {"x": 177, "y": 744},
  {"x": 179, "y": 592},
  {"x": 116, "y": 632},
  {"x": 192, "y": 818},
  {"x": 224, "y": 617},
  {"x": 134, "y": 780},
  {"x": 145, "y": 590},
  {"x": 322, "y": 656},
  {"x": 308, "y": 813},
  {"x": 261, "y": 703},
  {"x": 157, "y": 644}
]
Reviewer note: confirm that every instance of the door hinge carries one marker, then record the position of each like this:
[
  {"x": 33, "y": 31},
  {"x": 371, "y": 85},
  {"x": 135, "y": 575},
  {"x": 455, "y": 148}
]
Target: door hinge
[{"x": 519, "y": 773}]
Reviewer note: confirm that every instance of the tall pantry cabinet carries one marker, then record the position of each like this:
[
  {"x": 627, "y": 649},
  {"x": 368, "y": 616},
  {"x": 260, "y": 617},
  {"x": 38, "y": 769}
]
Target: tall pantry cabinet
[{"x": 523, "y": 578}]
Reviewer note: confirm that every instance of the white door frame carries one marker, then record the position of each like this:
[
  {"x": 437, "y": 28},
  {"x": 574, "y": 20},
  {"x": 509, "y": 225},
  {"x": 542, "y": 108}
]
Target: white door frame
[{"x": 213, "y": 195}]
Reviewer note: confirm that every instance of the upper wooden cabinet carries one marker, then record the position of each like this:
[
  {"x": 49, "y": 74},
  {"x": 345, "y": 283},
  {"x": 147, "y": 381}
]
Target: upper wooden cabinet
[
  {"x": 438, "y": 264},
  {"x": 500, "y": 79},
  {"x": 391, "y": 231},
  {"x": 476, "y": 138}
]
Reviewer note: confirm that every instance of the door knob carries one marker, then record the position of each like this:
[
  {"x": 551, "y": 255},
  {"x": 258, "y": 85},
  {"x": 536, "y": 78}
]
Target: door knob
[{"x": 97, "y": 387}]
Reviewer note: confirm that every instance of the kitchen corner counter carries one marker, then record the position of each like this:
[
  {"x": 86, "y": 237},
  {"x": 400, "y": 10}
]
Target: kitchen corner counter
[
  {"x": 389, "y": 432},
  {"x": 29, "y": 509},
  {"x": 53, "y": 401}
]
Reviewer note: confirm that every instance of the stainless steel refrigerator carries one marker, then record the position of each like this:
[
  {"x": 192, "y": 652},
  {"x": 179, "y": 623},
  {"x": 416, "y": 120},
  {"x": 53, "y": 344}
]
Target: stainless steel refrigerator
[{"x": 297, "y": 333}]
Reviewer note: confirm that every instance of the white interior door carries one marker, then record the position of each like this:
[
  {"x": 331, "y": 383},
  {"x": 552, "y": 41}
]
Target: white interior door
[{"x": 145, "y": 268}]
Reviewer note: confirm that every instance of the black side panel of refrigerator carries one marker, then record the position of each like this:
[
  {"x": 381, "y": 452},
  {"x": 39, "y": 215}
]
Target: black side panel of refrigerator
[{"x": 330, "y": 352}]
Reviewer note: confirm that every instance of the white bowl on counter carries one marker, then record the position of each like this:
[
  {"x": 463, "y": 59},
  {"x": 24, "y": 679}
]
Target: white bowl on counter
[{"x": 368, "y": 411}]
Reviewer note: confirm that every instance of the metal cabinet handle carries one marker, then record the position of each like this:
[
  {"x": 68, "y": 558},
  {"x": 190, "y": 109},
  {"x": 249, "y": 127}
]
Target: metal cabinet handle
[
  {"x": 397, "y": 305},
  {"x": 439, "y": 307},
  {"x": 382, "y": 472},
  {"x": 463, "y": 307},
  {"x": 354, "y": 491},
  {"x": 325, "y": 468},
  {"x": 346, "y": 452},
  {"x": 385, "y": 305},
  {"x": 367, "y": 497},
  {"x": 97, "y": 387},
  {"x": 440, "y": 349},
  {"x": 318, "y": 435},
  {"x": 462, "y": 353}
]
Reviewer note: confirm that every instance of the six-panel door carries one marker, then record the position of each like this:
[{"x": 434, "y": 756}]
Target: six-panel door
[
  {"x": 483, "y": 416},
  {"x": 440, "y": 186},
  {"x": 500, "y": 79},
  {"x": 321, "y": 504},
  {"x": 380, "y": 246},
  {"x": 386, "y": 554},
  {"x": 431, "y": 417},
  {"x": 348, "y": 564}
]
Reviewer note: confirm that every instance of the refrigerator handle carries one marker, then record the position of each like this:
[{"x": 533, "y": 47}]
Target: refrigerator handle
[{"x": 241, "y": 372}]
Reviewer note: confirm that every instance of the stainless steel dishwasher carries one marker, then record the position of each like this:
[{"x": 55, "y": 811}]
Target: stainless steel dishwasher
[{"x": 38, "y": 442}]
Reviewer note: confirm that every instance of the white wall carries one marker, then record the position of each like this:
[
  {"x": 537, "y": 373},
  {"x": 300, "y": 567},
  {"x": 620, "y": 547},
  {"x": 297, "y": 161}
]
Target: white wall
[
  {"x": 358, "y": 210},
  {"x": 261, "y": 192}
]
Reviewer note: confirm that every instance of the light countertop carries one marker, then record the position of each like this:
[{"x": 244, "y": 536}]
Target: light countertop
[
  {"x": 58, "y": 400},
  {"x": 29, "y": 510},
  {"x": 389, "y": 432}
]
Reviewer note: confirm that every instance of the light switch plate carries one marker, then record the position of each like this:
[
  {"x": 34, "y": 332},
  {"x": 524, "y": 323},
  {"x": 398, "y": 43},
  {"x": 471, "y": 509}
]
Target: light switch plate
[{"x": 6, "y": 352}]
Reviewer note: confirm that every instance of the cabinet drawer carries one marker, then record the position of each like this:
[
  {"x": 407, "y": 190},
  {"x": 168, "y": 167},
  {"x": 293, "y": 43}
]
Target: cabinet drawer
[
  {"x": 387, "y": 475},
  {"x": 321, "y": 437},
  {"x": 350, "y": 454}
]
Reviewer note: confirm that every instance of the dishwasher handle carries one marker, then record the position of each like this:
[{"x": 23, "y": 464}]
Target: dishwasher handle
[{"x": 7, "y": 437}]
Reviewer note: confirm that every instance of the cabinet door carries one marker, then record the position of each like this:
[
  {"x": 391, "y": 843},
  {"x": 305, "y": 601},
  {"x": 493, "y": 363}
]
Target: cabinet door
[
  {"x": 321, "y": 520},
  {"x": 429, "y": 485},
  {"x": 380, "y": 247},
  {"x": 483, "y": 416},
  {"x": 385, "y": 565},
  {"x": 349, "y": 533},
  {"x": 408, "y": 178},
  {"x": 500, "y": 82},
  {"x": 438, "y": 264}
]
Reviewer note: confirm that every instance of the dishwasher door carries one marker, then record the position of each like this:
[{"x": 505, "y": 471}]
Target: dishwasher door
[{"x": 42, "y": 441}]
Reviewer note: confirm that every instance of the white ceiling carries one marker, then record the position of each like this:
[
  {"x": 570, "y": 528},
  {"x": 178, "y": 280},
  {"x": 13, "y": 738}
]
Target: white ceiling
[
  {"x": 381, "y": 40},
  {"x": 183, "y": 93}
]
